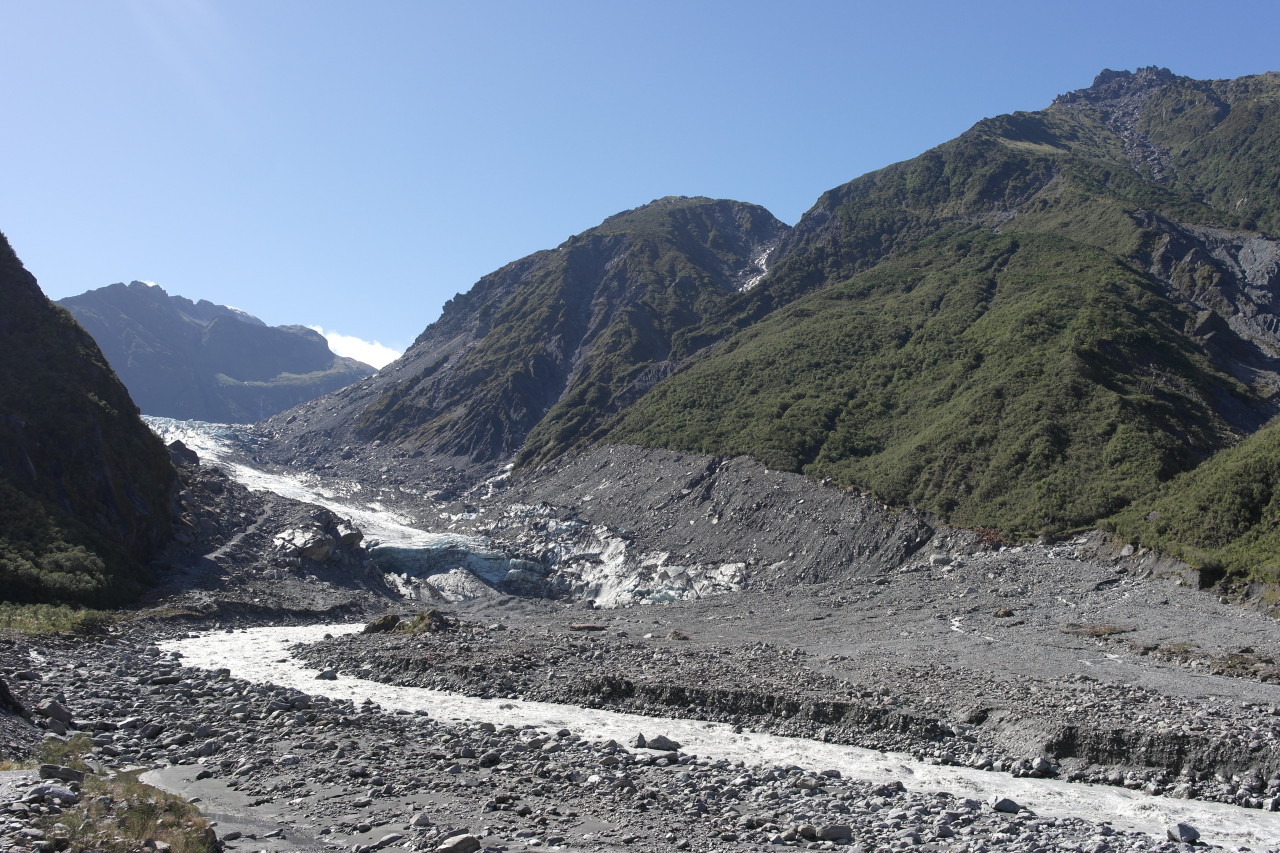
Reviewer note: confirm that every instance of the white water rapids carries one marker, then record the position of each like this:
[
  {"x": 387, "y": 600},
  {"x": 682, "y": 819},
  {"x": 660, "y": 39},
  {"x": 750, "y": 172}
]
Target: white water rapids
[{"x": 262, "y": 655}]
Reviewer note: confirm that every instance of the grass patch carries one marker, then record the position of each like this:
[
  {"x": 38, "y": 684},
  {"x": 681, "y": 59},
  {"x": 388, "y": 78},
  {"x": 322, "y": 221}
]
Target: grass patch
[
  {"x": 65, "y": 753},
  {"x": 119, "y": 813},
  {"x": 54, "y": 619}
]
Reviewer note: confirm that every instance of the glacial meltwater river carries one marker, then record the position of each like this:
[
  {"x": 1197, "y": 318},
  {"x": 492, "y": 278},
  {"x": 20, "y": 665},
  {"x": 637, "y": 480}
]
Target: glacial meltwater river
[{"x": 262, "y": 655}]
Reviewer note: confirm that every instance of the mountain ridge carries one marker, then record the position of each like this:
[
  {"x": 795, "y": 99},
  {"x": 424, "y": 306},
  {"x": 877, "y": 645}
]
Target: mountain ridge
[
  {"x": 1029, "y": 327},
  {"x": 535, "y": 354},
  {"x": 198, "y": 360}
]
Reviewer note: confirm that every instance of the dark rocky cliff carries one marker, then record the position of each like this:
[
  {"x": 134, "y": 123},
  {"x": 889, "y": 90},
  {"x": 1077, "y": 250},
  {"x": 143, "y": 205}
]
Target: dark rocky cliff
[{"x": 85, "y": 486}]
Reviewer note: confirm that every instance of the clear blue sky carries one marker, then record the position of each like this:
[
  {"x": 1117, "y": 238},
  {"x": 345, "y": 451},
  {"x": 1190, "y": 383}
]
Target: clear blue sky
[{"x": 354, "y": 164}]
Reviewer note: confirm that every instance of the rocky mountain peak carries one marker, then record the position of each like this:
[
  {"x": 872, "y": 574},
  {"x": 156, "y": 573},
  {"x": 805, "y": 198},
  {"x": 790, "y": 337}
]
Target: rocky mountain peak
[
  {"x": 1112, "y": 85},
  {"x": 1120, "y": 98}
]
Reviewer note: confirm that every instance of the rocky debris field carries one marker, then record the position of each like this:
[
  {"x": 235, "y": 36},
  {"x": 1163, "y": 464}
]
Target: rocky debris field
[
  {"x": 973, "y": 660},
  {"x": 278, "y": 769},
  {"x": 253, "y": 556}
]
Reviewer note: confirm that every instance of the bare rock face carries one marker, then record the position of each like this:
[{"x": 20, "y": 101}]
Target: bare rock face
[
  {"x": 197, "y": 360},
  {"x": 322, "y": 538}
]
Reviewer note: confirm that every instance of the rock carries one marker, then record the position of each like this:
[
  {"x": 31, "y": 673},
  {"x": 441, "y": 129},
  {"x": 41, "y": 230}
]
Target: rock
[
  {"x": 463, "y": 843},
  {"x": 183, "y": 456},
  {"x": 54, "y": 710},
  {"x": 327, "y": 675},
  {"x": 348, "y": 534},
  {"x": 309, "y": 543},
  {"x": 1004, "y": 804},
  {"x": 65, "y": 774},
  {"x": 837, "y": 832},
  {"x": 663, "y": 743},
  {"x": 939, "y": 560},
  {"x": 383, "y": 624},
  {"x": 51, "y": 791},
  {"x": 583, "y": 626},
  {"x": 1184, "y": 833},
  {"x": 638, "y": 741}
]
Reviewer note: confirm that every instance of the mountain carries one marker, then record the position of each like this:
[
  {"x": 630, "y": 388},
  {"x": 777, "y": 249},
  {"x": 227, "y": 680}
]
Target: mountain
[
  {"x": 85, "y": 486},
  {"x": 197, "y": 360},
  {"x": 1039, "y": 326},
  {"x": 1028, "y": 327},
  {"x": 537, "y": 356}
]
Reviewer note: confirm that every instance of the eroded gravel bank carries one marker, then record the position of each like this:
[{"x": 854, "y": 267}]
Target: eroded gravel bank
[{"x": 317, "y": 773}]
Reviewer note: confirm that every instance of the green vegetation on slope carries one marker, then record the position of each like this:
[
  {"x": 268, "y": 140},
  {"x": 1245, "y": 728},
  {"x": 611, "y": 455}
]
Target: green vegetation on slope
[
  {"x": 1221, "y": 138},
  {"x": 1024, "y": 382},
  {"x": 84, "y": 484},
  {"x": 1224, "y": 515},
  {"x": 563, "y": 339}
]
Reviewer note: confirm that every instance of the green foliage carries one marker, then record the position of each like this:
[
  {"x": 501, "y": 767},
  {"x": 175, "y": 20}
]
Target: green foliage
[
  {"x": 84, "y": 484},
  {"x": 67, "y": 753},
  {"x": 1224, "y": 515},
  {"x": 1221, "y": 138},
  {"x": 1032, "y": 381},
  {"x": 121, "y": 814},
  {"x": 1022, "y": 382},
  {"x": 571, "y": 336},
  {"x": 53, "y": 619}
]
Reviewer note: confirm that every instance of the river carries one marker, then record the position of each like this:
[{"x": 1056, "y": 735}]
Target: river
[{"x": 263, "y": 655}]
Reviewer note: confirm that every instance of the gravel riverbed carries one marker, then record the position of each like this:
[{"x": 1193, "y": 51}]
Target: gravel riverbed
[{"x": 284, "y": 768}]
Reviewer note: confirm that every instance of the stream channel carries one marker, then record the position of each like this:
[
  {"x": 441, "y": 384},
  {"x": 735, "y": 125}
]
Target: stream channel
[{"x": 263, "y": 655}]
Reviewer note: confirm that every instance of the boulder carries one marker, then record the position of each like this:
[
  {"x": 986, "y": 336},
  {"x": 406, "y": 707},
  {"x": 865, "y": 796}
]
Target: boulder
[
  {"x": 838, "y": 832},
  {"x": 462, "y": 843},
  {"x": 1004, "y": 804},
  {"x": 382, "y": 625},
  {"x": 63, "y": 774},
  {"x": 662, "y": 742},
  {"x": 54, "y": 710},
  {"x": 308, "y": 543}
]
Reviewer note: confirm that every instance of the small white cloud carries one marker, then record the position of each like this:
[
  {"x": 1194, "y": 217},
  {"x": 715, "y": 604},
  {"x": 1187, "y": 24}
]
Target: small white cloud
[
  {"x": 149, "y": 283},
  {"x": 370, "y": 352}
]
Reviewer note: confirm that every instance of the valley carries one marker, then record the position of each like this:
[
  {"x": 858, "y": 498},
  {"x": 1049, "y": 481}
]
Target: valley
[
  {"x": 946, "y": 519},
  {"x": 1065, "y": 662}
]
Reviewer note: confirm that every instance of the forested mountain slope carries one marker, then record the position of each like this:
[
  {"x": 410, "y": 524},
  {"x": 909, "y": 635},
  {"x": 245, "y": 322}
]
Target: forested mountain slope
[
  {"x": 1054, "y": 317},
  {"x": 85, "y": 486}
]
